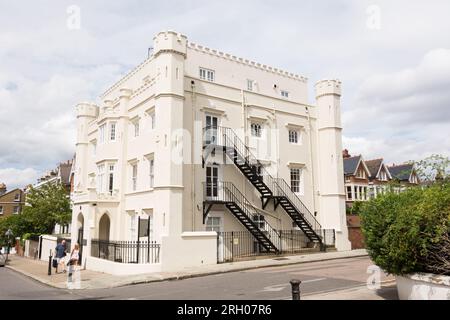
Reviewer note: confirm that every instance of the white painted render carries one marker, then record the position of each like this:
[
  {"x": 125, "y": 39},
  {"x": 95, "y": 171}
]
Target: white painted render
[{"x": 168, "y": 86}]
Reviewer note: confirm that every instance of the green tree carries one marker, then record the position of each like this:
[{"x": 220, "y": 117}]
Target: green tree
[
  {"x": 44, "y": 208},
  {"x": 407, "y": 232}
]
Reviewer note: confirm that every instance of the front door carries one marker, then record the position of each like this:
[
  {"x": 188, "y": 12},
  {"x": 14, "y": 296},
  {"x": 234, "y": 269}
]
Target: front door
[
  {"x": 212, "y": 123},
  {"x": 212, "y": 182}
]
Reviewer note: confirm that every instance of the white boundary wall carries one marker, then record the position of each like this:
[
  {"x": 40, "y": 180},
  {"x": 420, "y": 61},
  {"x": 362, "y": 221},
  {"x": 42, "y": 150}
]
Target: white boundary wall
[
  {"x": 193, "y": 249},
  {"x": 120, "y": 269}
]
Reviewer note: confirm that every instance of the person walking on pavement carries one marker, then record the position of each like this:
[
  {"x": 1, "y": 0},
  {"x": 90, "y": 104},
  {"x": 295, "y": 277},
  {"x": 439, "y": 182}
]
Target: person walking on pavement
[
  {"x": 73, "y": 260},
  {"x": 60, "y": 253}
]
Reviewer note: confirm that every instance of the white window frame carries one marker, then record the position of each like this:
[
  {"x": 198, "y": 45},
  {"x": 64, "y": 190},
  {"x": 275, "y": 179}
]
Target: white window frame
[
  {"x": 151, "y": 173},
  {"x": 16, "y": 211},
  {"x": 298, "y": 187},
  {"x": 17, "y": 197},
  {"x": 112, "y": 131},
  {"x": 250, "y": 84},
  {"x": 136, "y": 128},
  {"x": 285, "y": 94},
  {"x": 207, "y": 74},
  {"x": 213, "y": 226},
  {"x": 101, "y": 132},
  {"x": 133, "y": 225},
  {"x": 349, "y": 193},
  {"x": 100, "y": 177},
  {"x": 94, "y": 147},
  {"x": 1, "y": 209},
  {"x": 134, "y": 176},
  {"x": 256, "y": 129},
  {"x": 294, "y": 136},
  {"x": 111, "y": 172}
]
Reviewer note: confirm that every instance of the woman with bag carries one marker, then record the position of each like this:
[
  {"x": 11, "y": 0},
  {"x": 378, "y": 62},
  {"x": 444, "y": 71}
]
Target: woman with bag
[{"x": 73, "y": 260}]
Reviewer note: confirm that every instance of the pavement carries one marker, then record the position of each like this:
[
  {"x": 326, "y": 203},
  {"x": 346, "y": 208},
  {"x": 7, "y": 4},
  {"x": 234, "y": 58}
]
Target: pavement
[{"x": 38, "y": 270}]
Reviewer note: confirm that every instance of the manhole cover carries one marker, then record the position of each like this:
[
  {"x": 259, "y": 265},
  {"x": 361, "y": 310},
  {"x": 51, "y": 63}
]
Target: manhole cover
[{"x": 281, "y": 259}]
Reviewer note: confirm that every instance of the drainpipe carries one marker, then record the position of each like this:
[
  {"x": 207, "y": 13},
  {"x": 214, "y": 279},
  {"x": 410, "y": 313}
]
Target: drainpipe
[
  {"x": 312, "y": 161},
  {"x": 244, "y": 123},
  {"x": 193, "y": 149}
]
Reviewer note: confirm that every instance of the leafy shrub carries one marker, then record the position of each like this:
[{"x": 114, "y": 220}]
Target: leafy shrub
[{"x": 403, "y": 231}]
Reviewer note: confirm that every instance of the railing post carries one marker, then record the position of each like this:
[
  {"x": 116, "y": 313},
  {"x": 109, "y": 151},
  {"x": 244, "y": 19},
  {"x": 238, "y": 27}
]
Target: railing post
[
  {"x": 295, "y": 284},
  {"x": 50, "y": 263},
  {"x": 137, "y": 254},
  {"x": 232, "y": 245}
]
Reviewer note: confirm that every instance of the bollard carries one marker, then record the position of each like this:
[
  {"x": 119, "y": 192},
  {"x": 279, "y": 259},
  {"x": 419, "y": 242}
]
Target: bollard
[
  {"x": 49, "y": 265},
  {"x": 295, "y": 289}
]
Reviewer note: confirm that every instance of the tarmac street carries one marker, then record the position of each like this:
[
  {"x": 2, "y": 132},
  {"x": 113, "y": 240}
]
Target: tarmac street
[{"x": 320, "y": 280}]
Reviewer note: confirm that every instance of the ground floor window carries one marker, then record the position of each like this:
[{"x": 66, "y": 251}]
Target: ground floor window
[
  {"x": 349, "y": 193},
  {"x": 213, "y": 224}
]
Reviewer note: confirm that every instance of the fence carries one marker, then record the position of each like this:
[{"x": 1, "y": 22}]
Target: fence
[
  {"x": 235, "y": 245},
  {"x": 126, "y": 251}
]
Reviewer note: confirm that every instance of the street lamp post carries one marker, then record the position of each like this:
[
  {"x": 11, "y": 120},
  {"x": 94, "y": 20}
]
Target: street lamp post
[{"x": 8, "y": 235}]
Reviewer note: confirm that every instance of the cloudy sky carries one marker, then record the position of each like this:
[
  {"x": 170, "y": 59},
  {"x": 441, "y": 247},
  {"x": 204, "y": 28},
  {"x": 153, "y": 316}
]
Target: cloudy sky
[{"x": 392, "y": 56}]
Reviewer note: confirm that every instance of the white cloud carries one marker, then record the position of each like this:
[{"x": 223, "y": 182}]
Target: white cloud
[
  {"x": 395, "y": 80},
  {"x": 16, "y": 178}
]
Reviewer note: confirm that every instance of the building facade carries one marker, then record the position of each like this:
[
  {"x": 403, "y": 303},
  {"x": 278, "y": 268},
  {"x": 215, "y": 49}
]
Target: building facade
[
  {"x": 11, "y": 202},
  {"x": 196, "y": 141}
]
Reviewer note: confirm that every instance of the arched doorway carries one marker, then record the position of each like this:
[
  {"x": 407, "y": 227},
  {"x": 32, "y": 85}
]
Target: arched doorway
[{"x": 103, "y": 228}]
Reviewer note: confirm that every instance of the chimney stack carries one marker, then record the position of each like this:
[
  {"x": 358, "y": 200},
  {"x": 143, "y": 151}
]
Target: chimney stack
[
  {"x": 2, "y": 188},
  {"x": 345, "y": 154}
]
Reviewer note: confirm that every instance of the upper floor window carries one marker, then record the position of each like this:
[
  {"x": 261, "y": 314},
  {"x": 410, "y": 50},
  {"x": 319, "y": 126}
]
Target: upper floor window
[
  {"x": 284, "y": 94},
  {"x": 153, "y": 120},
  {"x": 16, "y": 209},
  {"x": 206, "y": 74},
  {"x": 256, "y": 129},
  {"x": 102, "y": 130},
  {"x": 383, "y": 175},
  {"x": 361, "y": 173},
  {"x": 293, "y": 136},
  {"x": 94, "y": 148},
  {"x": 134, "y": 169},
  {"x": 17, "y": 197},
  {"x": 112, "y": 131},
  {"x": 295, "y": 179},
  {"x": 111, "y": 179},
  {"x": 100, "y": 177},
  {"x": 249, "y": 85},
  {"x": 151, "y": 169},
  {"x": 136, "y": 127}
]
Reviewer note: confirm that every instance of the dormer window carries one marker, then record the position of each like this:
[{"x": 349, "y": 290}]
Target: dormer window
[{"x": 361, "y": 173}]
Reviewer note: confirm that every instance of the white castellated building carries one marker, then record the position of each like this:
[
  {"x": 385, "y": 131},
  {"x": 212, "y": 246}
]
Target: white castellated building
[{"x": 198, "y": 144}]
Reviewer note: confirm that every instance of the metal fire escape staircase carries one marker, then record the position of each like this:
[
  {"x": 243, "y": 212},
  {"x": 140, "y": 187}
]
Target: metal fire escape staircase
[
  {"x": 269, "y": 187},
  {"x": 228, "y": 194}
]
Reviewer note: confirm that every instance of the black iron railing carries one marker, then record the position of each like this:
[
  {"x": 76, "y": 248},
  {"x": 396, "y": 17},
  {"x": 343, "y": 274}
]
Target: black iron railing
[
  {"x": 282, "y": 189},
  {"x": 126, "y": 251},
  {"x": 226, "y": 137},
  {"x": 224, "y": 192},
  {"x": 241, "y": 245}
]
